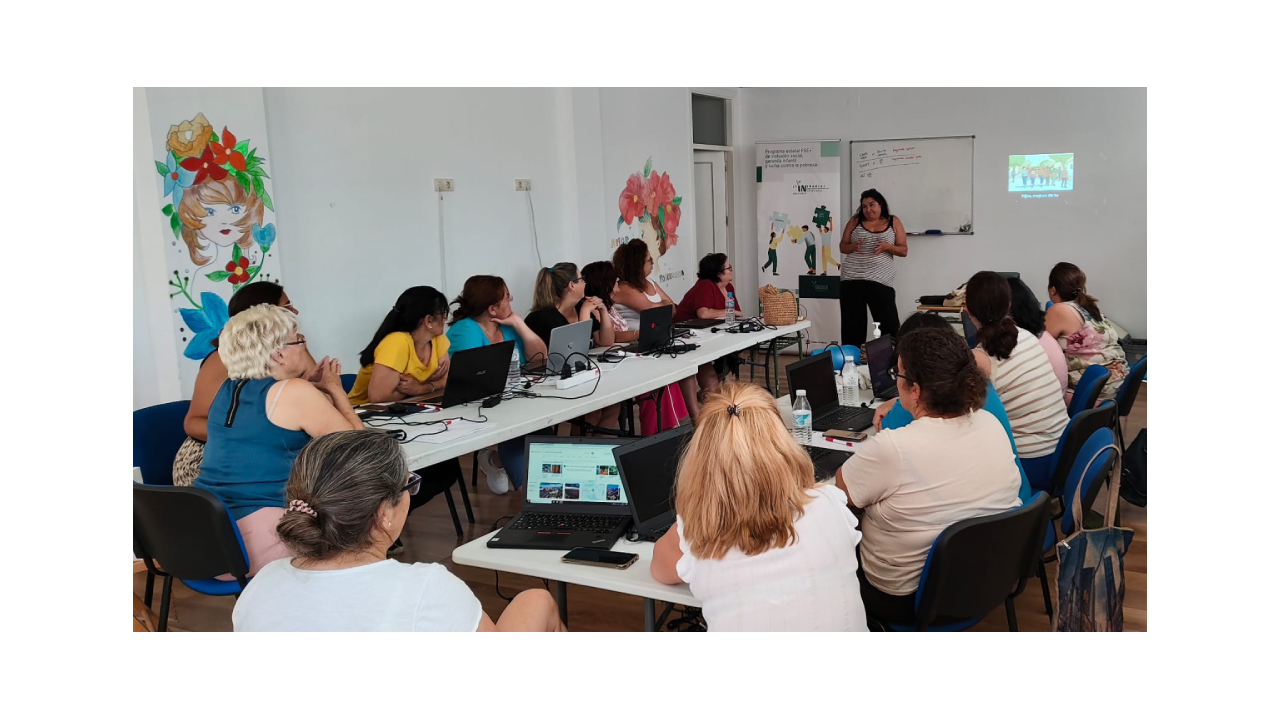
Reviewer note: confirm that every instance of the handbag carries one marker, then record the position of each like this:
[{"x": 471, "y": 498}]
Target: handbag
[{"x": 1091, "y": 565}]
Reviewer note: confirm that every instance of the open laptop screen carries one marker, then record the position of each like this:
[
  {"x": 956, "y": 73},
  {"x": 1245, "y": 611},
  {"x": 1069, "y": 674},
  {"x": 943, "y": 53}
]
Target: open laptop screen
[
  {"x": 571, "y": 473},
  {"x": 879, "y": 358},
  {"x": 649, "y": 470},
  {"x": 816, "y": 376}
]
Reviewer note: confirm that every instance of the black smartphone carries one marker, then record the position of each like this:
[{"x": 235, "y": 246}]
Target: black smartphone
[{"x": 601, "y": 558}]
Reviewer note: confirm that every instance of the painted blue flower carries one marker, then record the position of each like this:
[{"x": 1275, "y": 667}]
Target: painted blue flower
[
  {"x": 176, "y": 179},
  {"x": 206, "y": 324},
  {"x": 264, "y": 236}
]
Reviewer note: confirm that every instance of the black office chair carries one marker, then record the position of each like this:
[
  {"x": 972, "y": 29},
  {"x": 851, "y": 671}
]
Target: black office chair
[
  {"x": 977, "y": 564},
  {"x": 1079, "y": 429},
  {"x": 1127, "y": 394},
  {"x": 187, "y": 533},
  {"x": 438, "y": 480}
]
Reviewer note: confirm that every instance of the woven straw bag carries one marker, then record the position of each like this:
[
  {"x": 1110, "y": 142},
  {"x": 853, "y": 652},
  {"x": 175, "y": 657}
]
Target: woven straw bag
[{"x": 780, "y": 308}]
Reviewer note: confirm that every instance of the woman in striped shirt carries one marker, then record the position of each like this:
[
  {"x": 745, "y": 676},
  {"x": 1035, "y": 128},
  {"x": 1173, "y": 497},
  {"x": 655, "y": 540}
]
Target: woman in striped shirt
[
  {"x": 871, "y": 239},
  {"x": 1021, "y": 372}
]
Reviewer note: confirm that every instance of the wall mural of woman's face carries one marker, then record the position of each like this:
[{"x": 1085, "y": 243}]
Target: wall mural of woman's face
[{"x": 220, "y": 223}]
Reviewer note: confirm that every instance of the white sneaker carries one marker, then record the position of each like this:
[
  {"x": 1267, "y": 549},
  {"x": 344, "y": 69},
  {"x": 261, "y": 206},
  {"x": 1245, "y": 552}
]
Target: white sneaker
[{"x": 494, "y": 476}]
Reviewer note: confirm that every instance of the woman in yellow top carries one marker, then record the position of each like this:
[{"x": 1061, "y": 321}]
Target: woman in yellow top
[
  {"x": 408, "y": 355},
  {"x": 774, "y": 239}
]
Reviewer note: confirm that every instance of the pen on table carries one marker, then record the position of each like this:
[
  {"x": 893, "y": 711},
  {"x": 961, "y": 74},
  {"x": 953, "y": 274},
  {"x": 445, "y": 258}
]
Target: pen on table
[{"x": 833, "y": 440}]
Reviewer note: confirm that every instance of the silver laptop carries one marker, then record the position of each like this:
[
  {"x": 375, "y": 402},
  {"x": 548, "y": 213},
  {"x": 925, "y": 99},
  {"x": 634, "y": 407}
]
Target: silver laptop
[{"x": 567, "y": 340}]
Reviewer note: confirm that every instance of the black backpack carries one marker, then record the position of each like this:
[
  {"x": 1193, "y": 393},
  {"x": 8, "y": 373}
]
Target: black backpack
[{"x": 1133, "y": 476}]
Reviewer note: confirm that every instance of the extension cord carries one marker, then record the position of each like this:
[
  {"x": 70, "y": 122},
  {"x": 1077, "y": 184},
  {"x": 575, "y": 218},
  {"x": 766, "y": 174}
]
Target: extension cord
[{"x": 578, "y": 378}]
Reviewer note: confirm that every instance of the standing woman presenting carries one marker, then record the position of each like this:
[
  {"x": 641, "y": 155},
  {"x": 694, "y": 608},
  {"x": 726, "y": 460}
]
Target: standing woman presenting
[{"x": 871, "y": 239}]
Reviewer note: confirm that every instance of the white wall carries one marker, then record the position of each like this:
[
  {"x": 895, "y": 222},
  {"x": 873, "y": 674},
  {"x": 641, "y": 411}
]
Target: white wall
[{"x": 1100, "y": 226}]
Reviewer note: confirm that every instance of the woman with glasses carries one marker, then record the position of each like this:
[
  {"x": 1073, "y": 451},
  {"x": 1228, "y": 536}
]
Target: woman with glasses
[
  {"x": 708, "y": 299},
  {"x": 347, "y": 501},
  {"x": 953, "y": 462},
  {"x": 260, "y": 419},
  {"x": 186, "y": 465}
]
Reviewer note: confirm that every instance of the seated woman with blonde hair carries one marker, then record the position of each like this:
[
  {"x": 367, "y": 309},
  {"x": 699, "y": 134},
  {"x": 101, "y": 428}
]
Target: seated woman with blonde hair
[
  {"x": 348, "y": 500},
  {"x": 260, "y": 419},
  {"x": 761, "y": 545}
]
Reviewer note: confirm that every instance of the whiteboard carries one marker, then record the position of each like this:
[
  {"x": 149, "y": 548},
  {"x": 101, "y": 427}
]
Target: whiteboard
[{"x": 927, "y": 182}]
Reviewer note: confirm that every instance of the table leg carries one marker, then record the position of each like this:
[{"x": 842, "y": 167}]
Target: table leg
[
  {"x": 650, "y": 609},
  {"x": 562, "y": 599},
  {"x": 657, "y": 400}
]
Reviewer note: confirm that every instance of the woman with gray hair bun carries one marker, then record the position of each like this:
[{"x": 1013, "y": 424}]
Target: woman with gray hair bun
[
  {"x": 348, "y": 499},
  {"x": 262, "y": 416}
]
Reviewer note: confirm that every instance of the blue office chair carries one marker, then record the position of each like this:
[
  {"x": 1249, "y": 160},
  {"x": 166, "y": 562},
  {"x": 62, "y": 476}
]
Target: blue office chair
[
  {"x": 977, "y": 564},
  {"x": 1088, "y": 389},
  {"x": 348, "y": 381},
  {"x": 1127, "y": 393},
  {"x": 1090, "y": 478},
  {"x": 157, "y": 435},
  {"x": 837, "y": 354},
  {"x": 1079, "y": 429},
  {"x": 187, "y": 533}
]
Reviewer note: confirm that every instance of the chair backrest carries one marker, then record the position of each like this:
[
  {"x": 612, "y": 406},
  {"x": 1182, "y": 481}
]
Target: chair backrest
[
  {"x": 975, "y": 564},
  {"x": 189, "y": 532},
  {"x": 1092, "y": 481},
  {"x": 157, "y": 435},
  {"x": 838, "y": 353},
  {"x": 1079, "y": 428},
  {"x": 1131, "y": 386},
  {"x": 348, "y": 381},
  {"x": 1088, "y": 389}
]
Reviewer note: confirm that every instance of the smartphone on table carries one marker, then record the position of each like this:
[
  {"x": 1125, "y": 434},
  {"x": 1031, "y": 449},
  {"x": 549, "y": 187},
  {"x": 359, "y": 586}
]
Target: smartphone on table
[
  {"x": 600, "y": 558},
  {"x": 845, "y": 435}
]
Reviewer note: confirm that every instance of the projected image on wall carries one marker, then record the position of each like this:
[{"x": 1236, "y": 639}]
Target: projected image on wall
[{"x": 1041, "y": 173}]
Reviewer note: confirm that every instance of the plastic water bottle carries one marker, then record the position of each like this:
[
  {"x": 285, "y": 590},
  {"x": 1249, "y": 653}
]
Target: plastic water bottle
[
  {"x": 728, "y": 308},
  {"x": 849, "y": 382},
  {"x": 802, "y": 414},
  {"x": 875, "y": 334}
]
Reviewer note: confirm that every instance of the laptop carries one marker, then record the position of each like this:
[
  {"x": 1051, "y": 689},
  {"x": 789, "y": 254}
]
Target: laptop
[
  {"x": 826, "y": 461},
  {"x": 699, "y": 323},
  {"x": 648, "y": 469},
  {"x": 572, "y": 340},
  {"x": 655, "y": 329},
  {"x": 477, "y": 373},
  {"x": 879, "y": 359},
  {"x": 573, "y": 496},
  {"x": 817, "y": 377}
]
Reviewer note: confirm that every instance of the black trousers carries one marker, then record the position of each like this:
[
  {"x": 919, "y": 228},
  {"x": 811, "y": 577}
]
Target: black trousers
[
  {"x": 855, "y": 297},
  {"x": 883, "y": 606}
]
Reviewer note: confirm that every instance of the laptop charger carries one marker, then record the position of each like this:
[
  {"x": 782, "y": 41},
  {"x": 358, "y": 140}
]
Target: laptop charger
[{"x": 578, "y": 378}]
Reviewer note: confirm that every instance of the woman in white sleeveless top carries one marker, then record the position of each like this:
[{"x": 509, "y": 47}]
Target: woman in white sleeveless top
[
  {"x": 871, "y": 240},
  {"x": 1021, "y": 372}
]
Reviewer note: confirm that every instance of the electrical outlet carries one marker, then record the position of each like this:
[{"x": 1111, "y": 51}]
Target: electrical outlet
[
  {"x": 523, "y": 185},
  {"x": 444, "y": 185}
]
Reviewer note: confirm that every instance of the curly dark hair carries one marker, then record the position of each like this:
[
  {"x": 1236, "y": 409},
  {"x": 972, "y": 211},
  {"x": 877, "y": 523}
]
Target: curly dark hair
[
  {"x": 987, "y": 297},
  {"x": 629, "y": 260},
  {"x": 711, "y": 265},
  {"x": 942, "y": 365}
]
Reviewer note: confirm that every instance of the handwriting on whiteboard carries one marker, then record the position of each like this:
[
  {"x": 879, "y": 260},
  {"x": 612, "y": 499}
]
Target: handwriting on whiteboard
[{"x": 883, "y": 160}]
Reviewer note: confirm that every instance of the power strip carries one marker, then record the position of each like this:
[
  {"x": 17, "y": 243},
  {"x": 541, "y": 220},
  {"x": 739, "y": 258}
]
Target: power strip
[{"x": 578, "y": 378}]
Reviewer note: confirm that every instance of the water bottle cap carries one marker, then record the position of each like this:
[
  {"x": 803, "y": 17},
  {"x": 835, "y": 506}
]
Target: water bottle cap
[{"x": 801, "y": 393}]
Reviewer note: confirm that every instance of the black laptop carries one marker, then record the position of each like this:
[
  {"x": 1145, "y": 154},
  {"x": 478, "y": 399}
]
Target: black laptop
[
  {"x": 655, "y": 329},
  {"x": 699, "y": 323},
  {"x": 573, "y": 496},
  {"x": 879, "y": 359},
  {"x": 817, "y": 377},
  {"x": 478, "y": 373},
  {"x": 648, "y": 468}
]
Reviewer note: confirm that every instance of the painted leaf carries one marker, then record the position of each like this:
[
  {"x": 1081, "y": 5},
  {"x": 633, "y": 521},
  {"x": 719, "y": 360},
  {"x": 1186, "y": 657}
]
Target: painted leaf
[
  {"x": 242, "y": 147},
  {"x": 621, "y": 222},
  {"x": 257, "y": 186},
  {"x": 243, "y": 179},
  {"x": 235, "y": 253},
  {"x": 175, "y": 223},
  {"x": 648, "y": 165},
  {"x": 167, "y": 209},
  {"x": 253, "y": 270},
  {"x": 213, "y": 137},
  {"x": 251, "y": 154},
  {"x": 662, "y": 215},
  {"x": 266, "y": 200},
  {"x": 162, "y": 168},
  {"x": 218, "y": 275},
  {"x": 677, "y": 200}
]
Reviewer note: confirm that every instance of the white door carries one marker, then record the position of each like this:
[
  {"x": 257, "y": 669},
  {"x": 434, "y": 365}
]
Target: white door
[{"x": 710, "y": 206}]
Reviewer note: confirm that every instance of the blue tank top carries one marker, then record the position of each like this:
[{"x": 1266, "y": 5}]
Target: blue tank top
[{"x": 247, "y": 459}]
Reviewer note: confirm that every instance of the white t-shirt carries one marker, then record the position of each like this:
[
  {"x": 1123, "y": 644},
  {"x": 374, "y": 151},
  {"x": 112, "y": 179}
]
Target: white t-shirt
[
  {"x": 917, "y": 480},
  {"x": 810, "y": 585},
  {"x": 384, "y": 596}
]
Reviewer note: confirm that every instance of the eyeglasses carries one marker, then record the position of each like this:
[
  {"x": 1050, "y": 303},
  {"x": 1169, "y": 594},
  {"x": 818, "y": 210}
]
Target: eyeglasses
[
  {"x": 578, "y": 279},
  {"x": 290, "y": 308},
  {"x": 895, "y": 375},
  {"x": 302, "y": 340},
  {"x": 413, "y": 484},
  {"x": 728, "y": 268}
]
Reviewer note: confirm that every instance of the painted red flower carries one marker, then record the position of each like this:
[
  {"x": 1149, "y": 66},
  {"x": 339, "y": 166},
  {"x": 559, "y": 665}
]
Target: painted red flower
[
  {"x": 204, "y": 166},
  {"x": 631, "y": 202},
  {"x": 239, "y": 271},
  {"x": 225, "y": 151},
  {"x": 661, "y": 192},
  {"x": 670, "y": 218}
]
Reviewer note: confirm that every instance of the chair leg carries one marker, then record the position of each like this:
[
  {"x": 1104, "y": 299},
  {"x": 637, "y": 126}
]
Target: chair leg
[
  {"x": 475, "y": 467},
  {"x": 1044, "y": 588},
  {"x": 453, "y": 511},
  {"x": 466, "y": 501},
  {"x": 164, "y": 603},
  {"x": 1011, "y": 613},
  {"x": 151, "y": 586}
]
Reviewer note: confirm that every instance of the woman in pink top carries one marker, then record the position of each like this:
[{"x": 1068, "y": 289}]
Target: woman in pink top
[{"x": 1027, "y": 313}]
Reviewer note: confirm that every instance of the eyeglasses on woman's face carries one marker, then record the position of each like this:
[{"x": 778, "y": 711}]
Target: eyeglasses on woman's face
[
  {"x": 302, "y": 340},
  {"x": 895, "y": 375},
  {"x": 413, "y": 484}
]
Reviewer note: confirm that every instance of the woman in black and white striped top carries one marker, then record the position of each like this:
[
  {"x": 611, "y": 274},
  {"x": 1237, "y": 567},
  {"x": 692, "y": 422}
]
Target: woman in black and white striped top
[
  {"x": 1021, "y": 372},
  {"x": 871, "y": 239}
]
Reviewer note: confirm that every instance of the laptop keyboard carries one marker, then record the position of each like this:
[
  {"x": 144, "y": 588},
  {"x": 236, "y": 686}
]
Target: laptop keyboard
[
  {"x": 854, "y": 418},
  {"x": 567, "y": 522}
]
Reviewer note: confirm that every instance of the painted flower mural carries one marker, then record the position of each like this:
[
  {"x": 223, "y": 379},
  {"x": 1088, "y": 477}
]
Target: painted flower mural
[{"x": 650, "y": 197}]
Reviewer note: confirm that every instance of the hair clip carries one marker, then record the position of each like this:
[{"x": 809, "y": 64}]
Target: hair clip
[
  {"x": 301, "y": 506},
  {"x": 733, "y": 410}
]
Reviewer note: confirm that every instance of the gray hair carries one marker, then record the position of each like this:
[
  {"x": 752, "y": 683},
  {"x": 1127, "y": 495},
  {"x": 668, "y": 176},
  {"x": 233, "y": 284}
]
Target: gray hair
[
  {"x": 344, "y": 477},
  {"x": 249, "y": 339}
]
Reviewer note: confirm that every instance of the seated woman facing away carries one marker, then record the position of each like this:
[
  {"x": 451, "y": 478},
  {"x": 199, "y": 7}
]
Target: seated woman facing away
[
  {"x": 707, "y": 299},
  {"x": 1082, "y": 331},
  {"x": 483, "y": 317},
  {"x": 636, "y": 293},
  {"x": 348, "y": 499},
  {"x": 952, "y": 463},
  {"x": 260, "y": 419},
  {"x": 559, "y": 299},
  {"x": 409, "y": 353},
  {"x": 186, "y": 465},
  {"x": 1027, "y": 314},
  {"x": 891, "y": 415},
  {"x": 761, "y": 546},
  {"x": 602, "y": 282},
  {"x": 1021, "y": 373}
]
